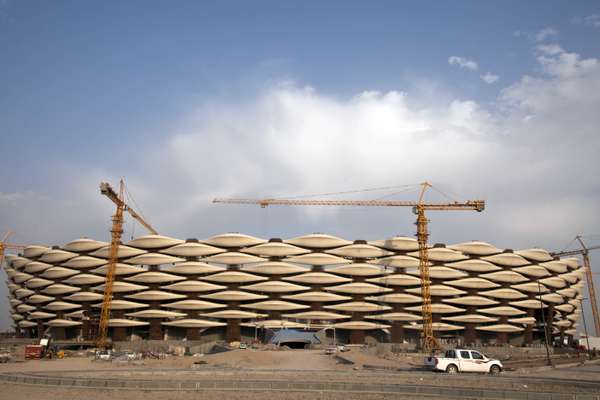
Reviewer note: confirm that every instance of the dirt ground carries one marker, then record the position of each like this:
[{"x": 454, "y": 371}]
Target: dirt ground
[{"x": 250, "y": 364}]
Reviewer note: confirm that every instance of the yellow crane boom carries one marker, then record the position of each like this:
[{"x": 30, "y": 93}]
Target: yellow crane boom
[
  {"x": 108, "y": 191},
  {"x": 419, "y": 207},
  {"x": 116, "y": 232}
]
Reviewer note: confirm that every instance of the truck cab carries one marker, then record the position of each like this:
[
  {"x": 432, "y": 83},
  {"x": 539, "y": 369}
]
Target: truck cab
[{"x": 463, "y": 360}]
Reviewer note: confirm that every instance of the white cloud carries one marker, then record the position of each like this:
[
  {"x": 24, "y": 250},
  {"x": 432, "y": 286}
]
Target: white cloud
[
  {"x": 550, "y": 49},
  {"x": 592, "y": 20},
  {"x": 489, "y": 78},
  {"x": 545, "y": 33},
  {"x": 463, "y": 63}
]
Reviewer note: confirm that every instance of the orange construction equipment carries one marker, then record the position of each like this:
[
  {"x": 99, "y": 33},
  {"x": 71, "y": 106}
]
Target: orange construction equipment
[
  {"x": 8, "y": 246},
  {"x": 116, "y": 232},
  {"x": 584, "y": 252},
  {"x": 428, "y": 339}
]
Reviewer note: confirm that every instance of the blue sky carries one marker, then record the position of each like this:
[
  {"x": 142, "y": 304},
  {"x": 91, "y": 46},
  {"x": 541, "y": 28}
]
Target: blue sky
[
  {"x": 192, "y": 100},
  {"x": 80, "y": 77}
]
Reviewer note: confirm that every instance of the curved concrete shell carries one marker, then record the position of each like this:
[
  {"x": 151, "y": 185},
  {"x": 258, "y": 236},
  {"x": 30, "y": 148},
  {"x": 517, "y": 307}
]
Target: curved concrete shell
[
  {"x": 274, "y": 287},
  {"x": 399, "y": 261},
  {"x": 442, "y": 254},
  {"x": 84, "y": 245},
  {"x": 396, "y": 280},
  {"x": 396, "y": 316},
  {"x": 318, "y": 259},
  {"x": 193, "y": 323},
  {"x": 153, "y": 242},
  {"x": 476, "y": 248},
  {"x": 318, "y": 241},
  {"x": 122, "y": 252},
  {"x": 539, "y": 255},
  {"x": 358, "y": 288},
  {"x": 120, "y": 269},
  {"x": 234, "y": 277},
  {"x": 321, "y": 278},
  {"x": 193, "y": 305},
  {"x": 34, "y": 251},
  {"x": 84, "y": 262},
  {"x": 155, "y": 295},
  {"x": 55, "y": 256},
  {"x": 320, "y": 315},
  {"x": 275, "y": 305},
  {"x": 275, "y": 268},
  {"x": 359, "y": 269},
  {"x": 35, "y": 267},
  {"x": 359, "y": 251},
  {"x": 122, "y": 287},
  {"x": 275, "y": 249},
  {"x": 234, "y": 258},
  {"x": 234, "y": 240},
  {"x": 154, "y": 259},
  {"x": 398, "y": 298},
  {"x": 194, "y": 268},
  {"x": 192, "y": 249},
  {"x": 358, "y": 306},
  {"x": 123, "y": 305},
  {"x": 400, "y": 243},
  {"x": 154, "y": 277},
  {"x": 234, "y": 295},
  {"x": 360, "y": 325}
]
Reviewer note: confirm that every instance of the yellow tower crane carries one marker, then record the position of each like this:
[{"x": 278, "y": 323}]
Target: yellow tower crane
[
  {"x": 584, "y": 252},
  {"x": 8, "y": 246},
  {"x": 116, "y": 232},
  {"x": 419, "y": 207}
]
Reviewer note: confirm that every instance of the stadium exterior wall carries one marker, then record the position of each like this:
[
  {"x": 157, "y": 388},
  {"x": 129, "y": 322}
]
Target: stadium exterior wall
[{"x": 233, "y": 284}]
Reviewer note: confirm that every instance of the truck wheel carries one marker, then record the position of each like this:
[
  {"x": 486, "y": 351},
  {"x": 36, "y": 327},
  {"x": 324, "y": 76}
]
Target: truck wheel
[
  {"x": 495, "y": 370},
  {"x": 452, "y": 369}
]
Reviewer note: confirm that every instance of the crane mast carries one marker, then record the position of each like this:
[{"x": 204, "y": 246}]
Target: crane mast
[
  {"x": 116, "y": 232},
  {"x": 419, "y": 207},
  {"x": 589, "y": 277}
]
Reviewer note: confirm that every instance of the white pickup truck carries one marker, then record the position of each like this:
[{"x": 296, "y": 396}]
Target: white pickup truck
[{"x": 463, "y": 360}]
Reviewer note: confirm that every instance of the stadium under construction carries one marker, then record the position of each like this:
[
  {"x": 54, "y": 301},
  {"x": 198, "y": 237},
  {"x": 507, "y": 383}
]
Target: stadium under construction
[{"x": 237, "y": 287}]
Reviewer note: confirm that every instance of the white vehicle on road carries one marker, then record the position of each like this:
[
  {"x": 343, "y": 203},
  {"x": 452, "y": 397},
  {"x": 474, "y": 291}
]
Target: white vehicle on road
[{"x": 463, "y": 360}]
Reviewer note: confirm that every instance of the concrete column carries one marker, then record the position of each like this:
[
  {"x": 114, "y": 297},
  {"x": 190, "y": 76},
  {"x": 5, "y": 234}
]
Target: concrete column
[
  {"x": 119, "y": 334},
  {"x": 357, "y": 336},
  {"x": 233, "y": 331},
  {"x": 550, "y": 323},
  {"x": 397, "y": 332},
  {"x": 40, "y": 328},
  {"x": 192, "y": 334},
  {"x": 58, "y": 333},
  {"x": 528, "y": 334},
  {"x": 156, "y": 332},
  {"x": 470, "y": 334}
]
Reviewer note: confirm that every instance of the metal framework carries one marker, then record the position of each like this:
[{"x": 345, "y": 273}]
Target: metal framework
[
  {"x": 589, "y": 277},
  {"x": 8, "y": 246},
  {"x": 108, "y": 191},
  {"x": 419, "y": 207},
  {"x": 116, "y": 232}
]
